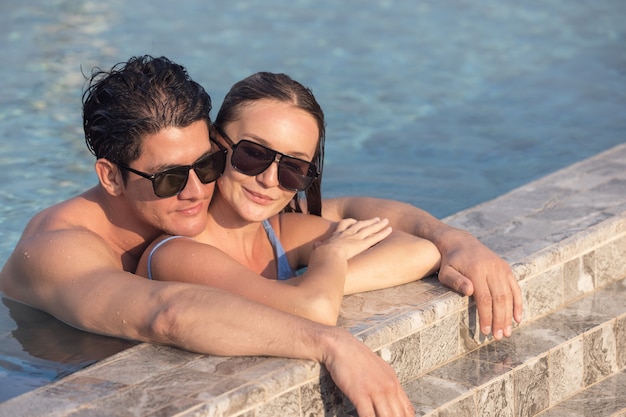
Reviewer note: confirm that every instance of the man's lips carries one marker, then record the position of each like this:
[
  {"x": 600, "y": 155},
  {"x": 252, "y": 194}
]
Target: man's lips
[{"x": 193, "y": 210}]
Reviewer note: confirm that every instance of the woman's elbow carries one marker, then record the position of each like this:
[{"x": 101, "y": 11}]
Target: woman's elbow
[{"x": 321, "y": 308}]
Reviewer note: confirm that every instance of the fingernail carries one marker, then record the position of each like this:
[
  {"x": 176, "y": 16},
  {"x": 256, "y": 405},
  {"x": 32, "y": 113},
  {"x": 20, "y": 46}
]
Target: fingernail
[
  {"x": 498, "y": 335},
  {"x": 508, "y": 331},
  {"x": 487, "y": 330}
]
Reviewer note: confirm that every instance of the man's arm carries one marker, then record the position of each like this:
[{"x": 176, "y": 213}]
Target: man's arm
[
  {"x": 467, "y": 265},
  {"x": 74, "y": 276}
]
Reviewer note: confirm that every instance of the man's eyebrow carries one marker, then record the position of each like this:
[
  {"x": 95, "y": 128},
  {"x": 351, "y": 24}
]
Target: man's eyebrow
[{"x": 165, "y": 167}]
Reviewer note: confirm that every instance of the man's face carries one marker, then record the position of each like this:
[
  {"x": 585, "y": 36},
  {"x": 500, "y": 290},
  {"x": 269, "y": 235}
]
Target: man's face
[{"x": 183, "y": 214}]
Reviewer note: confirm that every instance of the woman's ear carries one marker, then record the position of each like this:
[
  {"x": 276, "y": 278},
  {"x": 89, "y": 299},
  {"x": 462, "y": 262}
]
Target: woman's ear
[{"x": 110, "y": 177}]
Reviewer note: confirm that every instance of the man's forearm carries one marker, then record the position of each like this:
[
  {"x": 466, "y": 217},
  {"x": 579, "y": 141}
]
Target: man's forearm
[{"x": 401, "y": 216}]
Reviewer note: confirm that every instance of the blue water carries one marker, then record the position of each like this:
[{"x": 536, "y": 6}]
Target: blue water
[{"x": 442, "y": 104}]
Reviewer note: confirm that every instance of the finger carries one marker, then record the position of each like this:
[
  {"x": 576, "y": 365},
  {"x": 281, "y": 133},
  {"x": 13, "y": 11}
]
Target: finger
[
  {"x": 399, "y": 405},
  {"x": 452, "y": 278},
  {"x": 393, "y": 401},
  {"x": 371, "y": 227},
  {"x": 360, "y": 225},
  {"x": 344, "y": 224},
  {"x": 502, "y": 301},
  {"x": 484, "y": 305},
  {"x": 365, "y": 409}
]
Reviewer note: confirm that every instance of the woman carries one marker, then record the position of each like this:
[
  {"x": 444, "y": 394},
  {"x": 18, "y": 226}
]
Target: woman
[{"x": 273, "y": 129}]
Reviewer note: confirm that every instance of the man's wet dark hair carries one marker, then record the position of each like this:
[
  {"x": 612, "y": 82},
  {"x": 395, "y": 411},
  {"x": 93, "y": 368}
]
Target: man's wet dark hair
[{"x": 136, "y": 98}]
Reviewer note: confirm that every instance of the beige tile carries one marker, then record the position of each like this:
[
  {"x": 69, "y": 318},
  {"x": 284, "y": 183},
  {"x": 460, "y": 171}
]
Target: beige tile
[{"x": 566, "y": 367}]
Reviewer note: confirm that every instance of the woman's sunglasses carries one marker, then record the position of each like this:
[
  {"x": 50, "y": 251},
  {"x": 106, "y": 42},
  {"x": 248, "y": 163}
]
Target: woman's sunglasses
[
  {"x": 172, "y": 181},
  {"x": 251, "y": 158}
]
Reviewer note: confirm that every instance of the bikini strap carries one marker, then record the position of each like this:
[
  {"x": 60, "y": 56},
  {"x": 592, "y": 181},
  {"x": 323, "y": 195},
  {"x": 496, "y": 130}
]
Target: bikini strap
[
  {"x": 284, "y": 269},
  {"x": 157, "y": 246}
]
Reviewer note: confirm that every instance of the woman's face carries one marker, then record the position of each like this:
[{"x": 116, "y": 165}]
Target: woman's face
[{"x": 275, "y": 125}]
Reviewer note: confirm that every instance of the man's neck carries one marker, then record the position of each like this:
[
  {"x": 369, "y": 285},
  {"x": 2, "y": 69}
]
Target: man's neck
[{"x": 127, "y": 235}]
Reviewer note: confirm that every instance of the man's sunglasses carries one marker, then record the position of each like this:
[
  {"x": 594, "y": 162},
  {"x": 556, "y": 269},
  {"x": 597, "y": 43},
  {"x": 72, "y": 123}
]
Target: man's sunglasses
[
  {"x": 251, "y": 158},
  {"x": 172, "y": 181}
]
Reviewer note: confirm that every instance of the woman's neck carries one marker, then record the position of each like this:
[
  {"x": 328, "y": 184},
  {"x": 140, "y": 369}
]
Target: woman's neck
[{"x": 243, "y": 240}]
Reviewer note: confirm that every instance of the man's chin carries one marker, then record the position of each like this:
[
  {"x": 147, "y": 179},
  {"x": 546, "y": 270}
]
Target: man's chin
[{"x": 189, "y": 229}]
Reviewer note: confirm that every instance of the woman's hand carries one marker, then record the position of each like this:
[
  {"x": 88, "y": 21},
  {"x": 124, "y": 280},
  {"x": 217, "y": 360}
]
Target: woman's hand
[{"x": 353, "y": 237}]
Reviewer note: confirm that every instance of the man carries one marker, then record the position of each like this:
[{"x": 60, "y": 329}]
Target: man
[{"x": 76, "y": 259}]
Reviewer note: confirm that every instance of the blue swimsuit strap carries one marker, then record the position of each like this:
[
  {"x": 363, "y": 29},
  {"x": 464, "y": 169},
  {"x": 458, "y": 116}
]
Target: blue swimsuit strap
[
  {"x": 157, "y": 246},
  {"x": 285, "y": 271}
]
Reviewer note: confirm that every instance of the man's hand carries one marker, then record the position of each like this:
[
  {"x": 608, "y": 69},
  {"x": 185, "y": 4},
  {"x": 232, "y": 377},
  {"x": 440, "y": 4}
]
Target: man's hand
[
  {"x": 366, "y": 379},
  {"x": 467, "y": 265},
  {"x": 470, "y": 268}
]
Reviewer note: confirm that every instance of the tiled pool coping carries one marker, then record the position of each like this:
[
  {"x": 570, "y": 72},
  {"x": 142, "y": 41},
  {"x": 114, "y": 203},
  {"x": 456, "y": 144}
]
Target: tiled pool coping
[{"x": 568, "y": 224}]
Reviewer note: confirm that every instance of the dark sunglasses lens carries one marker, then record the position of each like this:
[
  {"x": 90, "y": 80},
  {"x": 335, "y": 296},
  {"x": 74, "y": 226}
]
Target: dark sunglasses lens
[
  {"x": 211, "y": 167},
  {"x": 171, "y": 182},
  {"x": 295, "y": 174},
  {"x": 251, "y": 158}
]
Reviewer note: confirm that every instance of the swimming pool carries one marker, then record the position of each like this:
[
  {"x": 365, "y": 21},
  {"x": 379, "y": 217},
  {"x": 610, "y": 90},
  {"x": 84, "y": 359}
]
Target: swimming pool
[{"x": 439, "y": 104}]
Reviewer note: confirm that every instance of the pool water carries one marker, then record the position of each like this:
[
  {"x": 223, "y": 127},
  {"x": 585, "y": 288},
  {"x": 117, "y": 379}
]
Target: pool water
[{"x": 439, "y": 104}]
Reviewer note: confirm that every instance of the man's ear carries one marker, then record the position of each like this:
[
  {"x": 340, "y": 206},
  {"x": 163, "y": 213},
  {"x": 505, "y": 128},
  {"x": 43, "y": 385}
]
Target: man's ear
[{"x": 110, "y": 177}]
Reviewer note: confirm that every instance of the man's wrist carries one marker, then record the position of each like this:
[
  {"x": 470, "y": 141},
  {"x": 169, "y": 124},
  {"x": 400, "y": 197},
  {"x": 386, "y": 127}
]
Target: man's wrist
[{"x": 447, "y": 238}]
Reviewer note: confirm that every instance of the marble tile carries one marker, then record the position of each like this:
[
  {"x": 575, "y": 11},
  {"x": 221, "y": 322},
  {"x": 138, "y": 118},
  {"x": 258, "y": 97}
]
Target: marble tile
[
  {"x": 470, "y": 372},
  {"x": 544, "y": 292},
  {"x": 187, "y": 382},
  {"x": 611, "y": 261},
  {"x": 144, "y": 360},
  {"x": 532, "y": 388},
  {"x": 404, "y": 356},
  {"x": 234, "y": 365},
  {"x": 526, "y": 267},
  {"x": 81, "y": 389},
  {"x": 176, "y": 407},
  {"x": 135, "y": 401},
  {"x": 287, "y": 404},
  {"x": 566, "y": 367},
  {"x": 609, "y": 301},
  {"x": 568, "y": 322},
  {"x": 440, "y": 342},
  {"x": 600, "y": 355},
  {"x": 396, "y": 327},
  {"x": 497, "y": 398},
  {"x": 428, "y": 393},
  {"x": 620, "y": 341},
  {"x": 605, "y": 398},
  {"x": 579, "y": 276},
  {"x": 463, "y": 407},
  {"x": 527, "y": 342}
]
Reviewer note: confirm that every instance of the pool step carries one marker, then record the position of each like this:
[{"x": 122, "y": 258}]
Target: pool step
[
  {"x": 546, "y": 366},
  {"x": 606, "y": 398}
]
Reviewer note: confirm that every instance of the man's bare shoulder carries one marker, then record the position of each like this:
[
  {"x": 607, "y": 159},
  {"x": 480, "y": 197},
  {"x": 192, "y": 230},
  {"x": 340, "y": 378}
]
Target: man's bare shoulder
[
  {"x": 60, "y": 241},
  {"x": 81, "y": 212}
]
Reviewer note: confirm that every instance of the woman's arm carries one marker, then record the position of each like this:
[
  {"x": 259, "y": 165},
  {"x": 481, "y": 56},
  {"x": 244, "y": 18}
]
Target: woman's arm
[
  {"x": 315, "y": 295},
  {"x": 467, "y": 265},
  {"x": 399, "y": 259}
]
